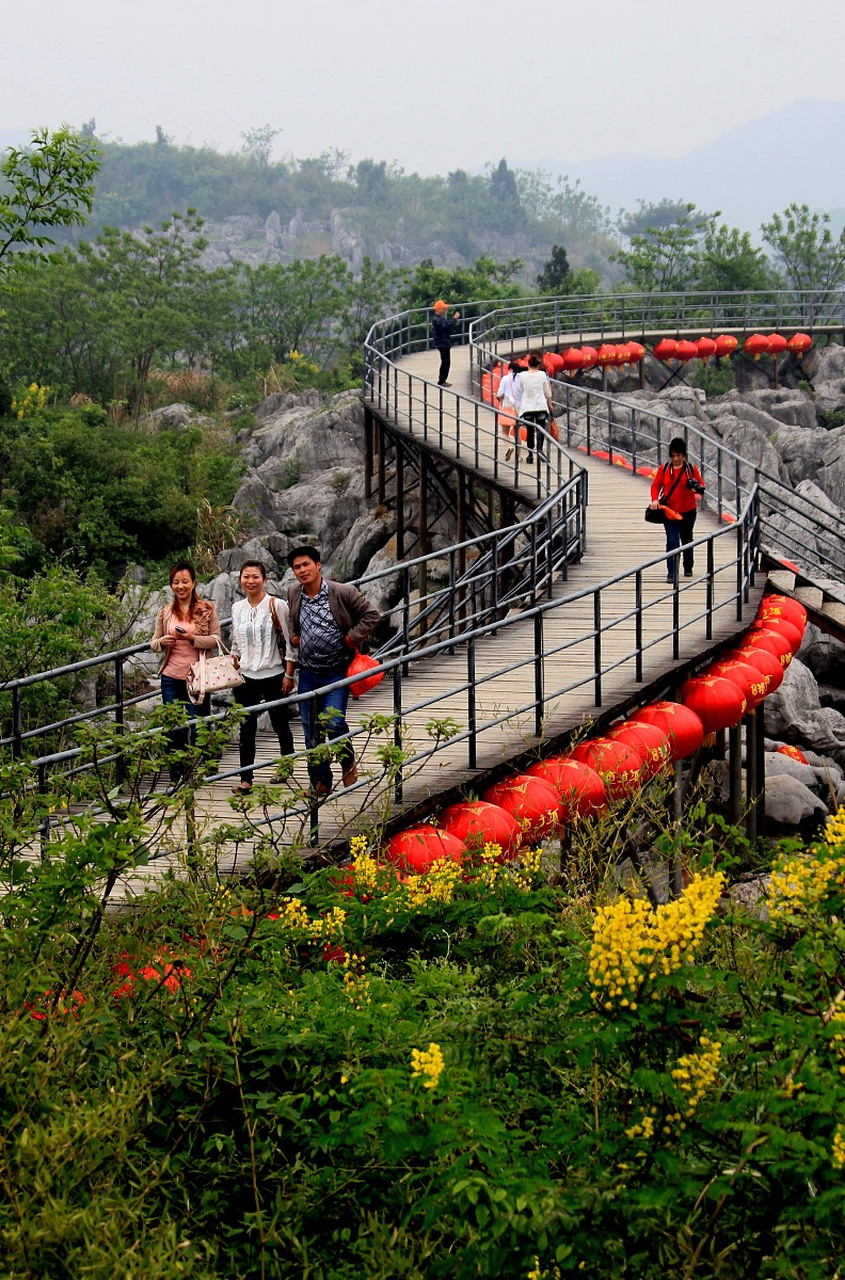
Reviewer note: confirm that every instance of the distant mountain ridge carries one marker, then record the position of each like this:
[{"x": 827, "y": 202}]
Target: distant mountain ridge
[{"x": 748, "y": 173}]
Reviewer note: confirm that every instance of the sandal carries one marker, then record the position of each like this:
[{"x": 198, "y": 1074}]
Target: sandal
[{"x": 242, "y": 790}]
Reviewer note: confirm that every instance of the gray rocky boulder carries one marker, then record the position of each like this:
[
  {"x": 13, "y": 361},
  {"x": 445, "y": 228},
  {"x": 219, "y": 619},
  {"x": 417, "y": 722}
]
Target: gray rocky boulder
[
  {"x": 791, "y": 806},
  {"x": 794, "y": 713}
]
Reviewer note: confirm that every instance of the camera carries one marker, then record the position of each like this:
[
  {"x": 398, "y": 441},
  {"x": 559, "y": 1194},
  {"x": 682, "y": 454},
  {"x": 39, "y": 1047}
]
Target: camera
[
  {"x": 695, "y": 485},
  {"x": 180, "y": 631}
]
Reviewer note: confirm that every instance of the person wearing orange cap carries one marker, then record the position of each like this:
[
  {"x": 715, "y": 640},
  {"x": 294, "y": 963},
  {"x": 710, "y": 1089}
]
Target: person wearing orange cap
[{"x": 442, "y": 327}]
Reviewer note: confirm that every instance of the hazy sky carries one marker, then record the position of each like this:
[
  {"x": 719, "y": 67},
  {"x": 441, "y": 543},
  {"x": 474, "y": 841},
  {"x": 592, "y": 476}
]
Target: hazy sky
[{"x": 434, "y": 85}]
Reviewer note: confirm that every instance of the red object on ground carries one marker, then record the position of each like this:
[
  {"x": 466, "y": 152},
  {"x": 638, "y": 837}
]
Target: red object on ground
[
  {"x": 718, "y": 702},
  {"x": 534, "y": 803},
  {"x": 757, "y": 345},
  {"x": 666, "y": 349},
  {"x": 751, "y": 680},
  {"x": 684, "y": 728},
  {"x": 726, "y": 344},
  {"x": 580, "y": 789},
  {"x": 618, "y": 764},
  {"x": 419, "y": 848},
  {"x": 794, "y": 753},
  {"x": 477, "y": 823},
  {"x": 763, "y": 659},
  {"x": 706, "y": 348},
  {"x": 777, "y": 606},
  {"x": 651, "y": 739}
]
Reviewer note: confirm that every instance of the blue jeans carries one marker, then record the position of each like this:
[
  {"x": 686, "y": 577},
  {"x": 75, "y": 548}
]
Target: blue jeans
[
  {"x": 679, "y": 532},
  {"x": 173, "y": 690},
  {"x": 330, "y": 704}
]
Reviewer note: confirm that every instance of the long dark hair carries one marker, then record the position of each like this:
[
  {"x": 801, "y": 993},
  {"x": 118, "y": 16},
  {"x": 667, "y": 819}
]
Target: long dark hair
[{"x": 185, "y": 566}]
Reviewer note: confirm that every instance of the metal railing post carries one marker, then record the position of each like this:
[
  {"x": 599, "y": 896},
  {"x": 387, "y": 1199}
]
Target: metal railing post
[
  {"x": 539, "y": 682},
  {"x": 472, "y": 724}
]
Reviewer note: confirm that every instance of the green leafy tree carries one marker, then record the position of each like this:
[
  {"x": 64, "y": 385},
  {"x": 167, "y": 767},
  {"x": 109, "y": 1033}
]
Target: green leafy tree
[
  {"x": 728, "y": 261},
  {"x": 504, "y": 197},
  {"x": 48, "y": 184},
  {"x": 486, "y": 279},
  {"x": 663, "y": 257},
  {"x": 805, "y": 249}
]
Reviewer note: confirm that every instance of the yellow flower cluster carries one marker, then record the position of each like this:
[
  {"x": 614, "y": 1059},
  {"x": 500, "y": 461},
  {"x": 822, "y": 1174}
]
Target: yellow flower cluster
[
  {"x": 697, "y": 1072},
  {"x": 633, "y": 943},
  {"x": 799, "y": 883},
  {"x": 355, "y": 982},
  {"x": 837, "y": 1021},
  {"x": 837, "y": 1154},
  {"x": 491, "y": 869},
  {"x": 834, "y": 832},
  {"x": 539, "y": 1273},
  {"x": 436, "y": 885},
  {"x": 35, "y": 399},
  {"x": 524, "y": 873},
  {"x": 427, "y": 1064},
  {"x": 645, "y": 1128}
]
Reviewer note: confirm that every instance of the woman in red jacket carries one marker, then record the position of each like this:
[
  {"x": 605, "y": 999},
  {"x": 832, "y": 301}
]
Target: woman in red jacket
[{"x": 677, "y": 486}]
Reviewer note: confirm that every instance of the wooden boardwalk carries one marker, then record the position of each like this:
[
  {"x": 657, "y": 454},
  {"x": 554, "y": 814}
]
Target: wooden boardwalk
[{"x": 505, "y": 673}]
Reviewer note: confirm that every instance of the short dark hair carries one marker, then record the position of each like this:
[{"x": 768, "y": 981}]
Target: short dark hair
[
  {"x": 678, "y": 446},
  {"x": 253, "y": 564},
  {"x": 311, "y": 552}
]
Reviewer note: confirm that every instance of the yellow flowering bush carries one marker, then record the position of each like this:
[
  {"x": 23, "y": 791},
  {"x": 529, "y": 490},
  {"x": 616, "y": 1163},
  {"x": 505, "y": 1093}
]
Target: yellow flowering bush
[
  {"x": 800, "y": 883},
  {"x": 427, "y": 1065},
  {"x": 34, "y": 399},
  {"x": 837, "y": 1155},
  {"x": 696, "y": 1073},
  {"x": 632, "y": 944}
]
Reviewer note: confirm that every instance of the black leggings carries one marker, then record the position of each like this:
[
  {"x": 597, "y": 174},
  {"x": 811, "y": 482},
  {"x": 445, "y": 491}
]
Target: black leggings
[
  {"x": 445, "y": 365},
  {"x": 534, "y": 418},
  {"x": 252, "y": 693}
]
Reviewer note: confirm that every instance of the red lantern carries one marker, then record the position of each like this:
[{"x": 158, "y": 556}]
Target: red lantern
[
  {"x": 665, "y": 349},
  {"x": 775, "y": 606},
  {"x": 533, "y": 802},
  {"x": 606, "y": 354},
  {"x": 799, "y": 343},
  {"x": 419, "y": 848},
  {"x": 774, "y": 641},
  {"x": 552, "y": 363},
  {"x": 793, "y": 752},
  {"x": 623, "y": 354},
  {"x": 591, "y": 356},
  {"x": 650, "y": 739},
  {"x": 684, "y": 729},
  {"x": 636, "y": 352},
  {"x": 573, "y": 360},
  {"x": 618, "y": 764},
  {"x": 756, "y": 346},
  {"x": 777, "y": 344},
  {"x": 726, "y": 344},
  {"x": 763, "y": 659},
  {"x": 579, "y": 787},
  {"x": 477, "y": 823},
  {"x": 686, "y": 351},
  {"x": 706, "y": 348},
  {"x": 782, "y": 627},
  {"x": 753, "y": 684},
  {"x": 717, "y": 702}
]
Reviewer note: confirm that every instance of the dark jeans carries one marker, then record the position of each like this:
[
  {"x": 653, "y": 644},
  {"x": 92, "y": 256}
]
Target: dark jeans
[
  {"x": 679, "y": 532},
  {"x": 534, "y": 418},
  {"x": 333, "y": 704},
  {"x": 445, "y": 365},
  {"x": 252, "y": 693},
  {"x": 177, "y": 691}
]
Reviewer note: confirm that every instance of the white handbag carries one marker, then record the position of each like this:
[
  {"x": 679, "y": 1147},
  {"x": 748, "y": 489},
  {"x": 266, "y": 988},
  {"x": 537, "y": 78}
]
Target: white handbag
[{"x": 210, "y": 675}]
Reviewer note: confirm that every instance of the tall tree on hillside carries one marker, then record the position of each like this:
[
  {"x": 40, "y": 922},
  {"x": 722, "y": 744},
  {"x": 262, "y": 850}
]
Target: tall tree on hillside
[
  {"x": 727, "y": 261},
  {"x": 805, "y": 248},
  {"x": 504, "y": 197}
]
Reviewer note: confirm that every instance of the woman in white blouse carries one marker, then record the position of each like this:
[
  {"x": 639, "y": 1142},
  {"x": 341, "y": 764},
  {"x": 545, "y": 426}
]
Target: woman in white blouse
[{"x": 266, "y": 659}]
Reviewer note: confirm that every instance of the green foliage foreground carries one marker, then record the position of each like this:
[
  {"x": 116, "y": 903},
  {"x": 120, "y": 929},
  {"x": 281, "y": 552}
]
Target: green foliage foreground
[{"x": 484, "y": 1072}]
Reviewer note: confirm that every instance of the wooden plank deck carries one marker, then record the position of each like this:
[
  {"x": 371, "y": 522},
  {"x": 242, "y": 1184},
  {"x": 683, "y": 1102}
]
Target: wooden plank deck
[{"x": 617, "y": 539}]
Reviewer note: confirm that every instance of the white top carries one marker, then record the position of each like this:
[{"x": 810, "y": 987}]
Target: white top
[
  {"x": 510, "y": 390},
  {"x": 254, "y": 638},
  {"x": 533, "y": 383}
]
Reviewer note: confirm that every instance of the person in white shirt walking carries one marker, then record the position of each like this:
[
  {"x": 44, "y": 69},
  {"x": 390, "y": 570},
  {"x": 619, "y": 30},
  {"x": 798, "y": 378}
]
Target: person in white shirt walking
[{"x": 536, "y": 407}]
